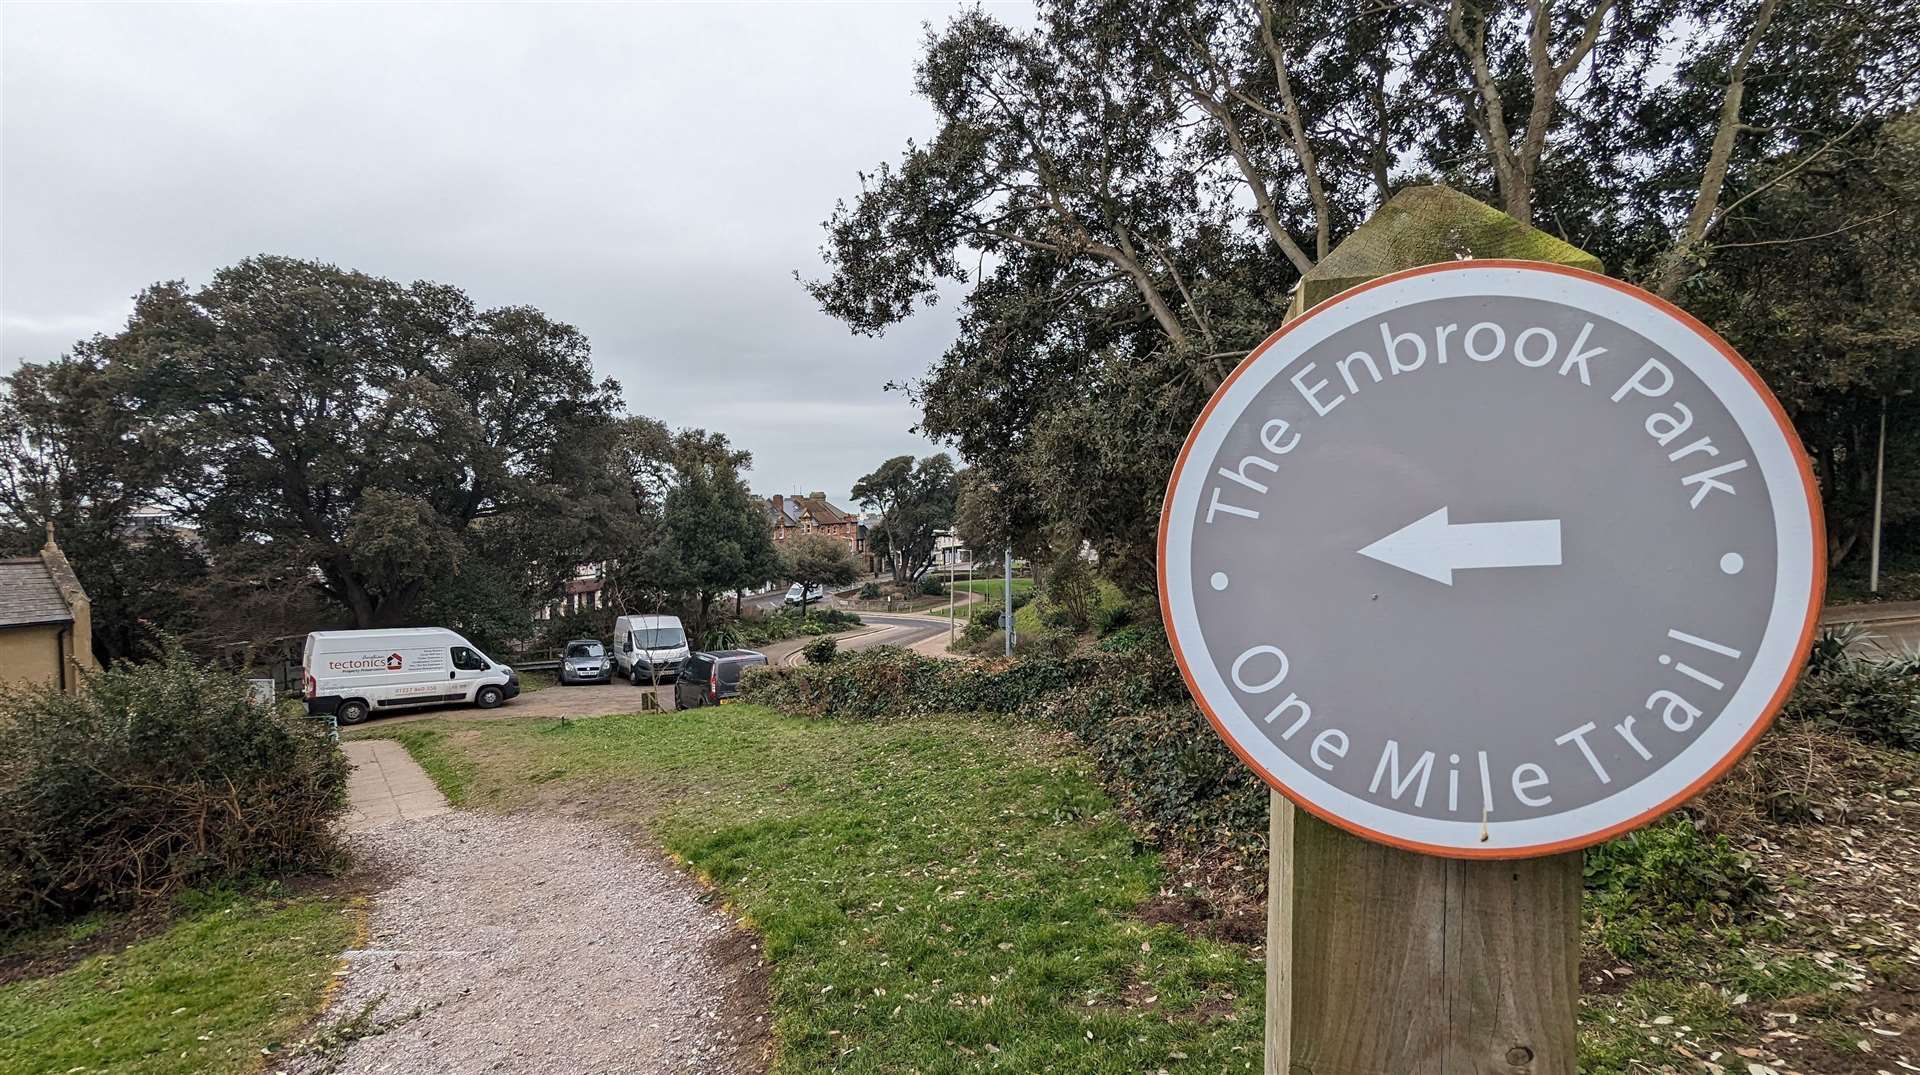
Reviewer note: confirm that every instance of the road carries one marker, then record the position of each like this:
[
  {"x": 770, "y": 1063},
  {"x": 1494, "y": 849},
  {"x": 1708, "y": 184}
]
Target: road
[
  {"x": 1892, "y": 627},
  {"x": 1895, "y": 637},
  {"x": 900, "y": 631},
  {"x": 776, "y": 597}
]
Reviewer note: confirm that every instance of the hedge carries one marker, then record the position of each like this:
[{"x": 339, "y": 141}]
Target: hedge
[{"x": 151, "y": 779}]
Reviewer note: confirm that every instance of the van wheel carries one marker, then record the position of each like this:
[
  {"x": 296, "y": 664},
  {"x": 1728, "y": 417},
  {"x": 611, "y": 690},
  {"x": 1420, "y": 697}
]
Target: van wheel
[
  {"x": 488, "y": 698},
  {"x": 351, "y": 711},
  {"x": 634, "y": 675}
]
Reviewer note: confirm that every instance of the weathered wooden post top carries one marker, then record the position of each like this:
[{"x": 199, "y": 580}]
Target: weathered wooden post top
[{"x": 1480, "y": 559}]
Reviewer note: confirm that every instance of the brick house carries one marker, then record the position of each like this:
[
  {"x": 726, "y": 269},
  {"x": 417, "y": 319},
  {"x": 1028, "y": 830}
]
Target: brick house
[{"x": 791, "y": 516}]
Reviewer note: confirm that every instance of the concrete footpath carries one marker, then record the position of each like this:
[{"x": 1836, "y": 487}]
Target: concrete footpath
[
  {"x": 1878, "y": 612},
  {"x": 387, "y": 785}
]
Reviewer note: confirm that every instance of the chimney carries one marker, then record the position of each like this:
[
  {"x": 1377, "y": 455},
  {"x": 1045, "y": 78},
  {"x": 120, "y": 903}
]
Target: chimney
[
  {"x": 819, "y": 496},
  {"x": 779, "y": 506}
]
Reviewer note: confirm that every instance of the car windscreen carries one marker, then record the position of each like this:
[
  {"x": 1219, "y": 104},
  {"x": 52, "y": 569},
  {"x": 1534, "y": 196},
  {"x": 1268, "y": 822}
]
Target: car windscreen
[
  {"x": 585, "y": 649},
  {"x": 659, "y": 638}
]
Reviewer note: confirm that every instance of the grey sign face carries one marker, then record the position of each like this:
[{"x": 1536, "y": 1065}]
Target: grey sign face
[{"x": 1490, "y": 560}]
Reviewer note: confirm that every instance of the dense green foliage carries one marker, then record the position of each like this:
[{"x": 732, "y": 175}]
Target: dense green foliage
[
  {"x": 1149, "y": 181},
  {"x": 934, "y": 895},
  {"x": 817, "y": 560},
  {"x": 76, "y": 455},
  {"x": 1842, "y": 341},
  {"x": 349, "y": 450},
  {"x": 1875, "y": 701},
  {"x": 1664, "y": 876},
  {"x": 914, "y": 502},
  {"x": 330, "y": 449},
  {"x": 758, "y": 630},
  {"x": 821, "y": 650},
  {"x": 711, "y": 537},
  {"x": 153, "y": 779}
]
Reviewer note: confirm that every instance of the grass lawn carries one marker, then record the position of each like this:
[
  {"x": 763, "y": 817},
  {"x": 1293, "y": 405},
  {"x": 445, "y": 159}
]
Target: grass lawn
[
  {"x": 945, "y": 895},
  {"x": 230, "y": 977},
  {"x": 935, "y": 895}
]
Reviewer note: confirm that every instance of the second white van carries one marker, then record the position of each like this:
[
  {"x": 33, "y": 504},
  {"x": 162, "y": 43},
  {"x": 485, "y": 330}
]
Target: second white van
[
  {"x": 649, "y": 649},
  {"x": 354, "y": 674}
]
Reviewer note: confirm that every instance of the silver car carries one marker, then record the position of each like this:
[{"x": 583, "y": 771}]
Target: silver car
[{"x": 585, "y": 661}]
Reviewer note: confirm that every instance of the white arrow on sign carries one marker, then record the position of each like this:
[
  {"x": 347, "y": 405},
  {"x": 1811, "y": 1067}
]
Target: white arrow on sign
[{"x": 1434, "y": 548}]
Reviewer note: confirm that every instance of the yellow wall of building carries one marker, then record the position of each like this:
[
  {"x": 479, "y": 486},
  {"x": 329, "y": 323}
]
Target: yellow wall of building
[{"x": 27, "y": 655}]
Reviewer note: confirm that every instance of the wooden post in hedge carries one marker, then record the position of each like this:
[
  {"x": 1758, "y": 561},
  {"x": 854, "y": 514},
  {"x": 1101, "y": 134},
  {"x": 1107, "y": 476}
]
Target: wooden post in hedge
[{"x": 1387, "y": 962}]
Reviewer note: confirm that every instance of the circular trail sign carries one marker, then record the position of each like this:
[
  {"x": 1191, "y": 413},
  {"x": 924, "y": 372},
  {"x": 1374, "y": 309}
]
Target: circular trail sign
[{"x": 1491, "y": 559}]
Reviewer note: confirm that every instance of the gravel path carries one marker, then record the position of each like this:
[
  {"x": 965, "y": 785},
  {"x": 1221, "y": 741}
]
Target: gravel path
[{"x": 540, "y": 944}]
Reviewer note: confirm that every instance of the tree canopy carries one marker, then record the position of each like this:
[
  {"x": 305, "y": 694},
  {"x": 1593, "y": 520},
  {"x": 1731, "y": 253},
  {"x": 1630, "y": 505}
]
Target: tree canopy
[
  {"x": 1127, "y": 194},
  {"x": 915, "y": 501},
  {"x": 817, "y": 560},
  {"x": 393, "y": 445},
  {"x": 712, "y": 535}
]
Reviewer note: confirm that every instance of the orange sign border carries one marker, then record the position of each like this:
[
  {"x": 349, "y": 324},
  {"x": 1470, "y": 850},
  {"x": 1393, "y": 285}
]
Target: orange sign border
[{"x": 1815, "y": 597}]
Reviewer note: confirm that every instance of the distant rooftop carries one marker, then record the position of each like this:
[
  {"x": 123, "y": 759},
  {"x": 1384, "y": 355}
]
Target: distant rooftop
[{"x": 28, "y": 594}]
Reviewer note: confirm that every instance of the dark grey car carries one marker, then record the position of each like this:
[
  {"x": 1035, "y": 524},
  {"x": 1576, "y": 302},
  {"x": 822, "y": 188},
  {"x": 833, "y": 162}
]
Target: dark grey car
[{"x": 709, "y": 678}]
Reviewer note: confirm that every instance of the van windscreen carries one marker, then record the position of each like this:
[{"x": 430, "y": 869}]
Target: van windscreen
[{"x": 659, "y": 637}]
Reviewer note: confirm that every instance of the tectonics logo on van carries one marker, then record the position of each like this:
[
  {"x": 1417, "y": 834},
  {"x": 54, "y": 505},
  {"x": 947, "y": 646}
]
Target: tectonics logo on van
[{"x": 391, "y": 662}]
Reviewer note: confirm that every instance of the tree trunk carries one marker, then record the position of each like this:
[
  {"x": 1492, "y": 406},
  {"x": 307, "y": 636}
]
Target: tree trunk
[
  {"x": 1680, "y": 261},
  {"x": 348, "y": 589},
  {"x": 705, "y": 605}
]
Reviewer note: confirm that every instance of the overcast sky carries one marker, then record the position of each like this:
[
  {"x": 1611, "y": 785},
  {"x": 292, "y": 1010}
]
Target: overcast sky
[{"x": 652, "y": 174}]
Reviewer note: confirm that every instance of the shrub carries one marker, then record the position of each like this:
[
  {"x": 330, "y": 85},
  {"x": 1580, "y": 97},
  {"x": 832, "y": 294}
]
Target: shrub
[
  {"x": 1071, "y": 594},
  {"x": 783, "y": 624},
  {"x": 1112, "y": 618},
  {"x": 870, "y": 592},
  {"x": 1831, "y": 647},
  {"x": 983, "y": 622},
  {"x": 929, "y": 586},
  {"x": 1125, "y": 640},
  {"x": 151, "y": 779},
  {"x": 1669, "y": 876},
  {"x": 1876, "y": 701},
  {"x": 820, "y": 650}
]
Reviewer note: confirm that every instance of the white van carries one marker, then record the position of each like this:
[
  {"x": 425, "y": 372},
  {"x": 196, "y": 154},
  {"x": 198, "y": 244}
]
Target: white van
[
  {"x": 647, "y": 649},
  {"x": 352, "y": 674}
]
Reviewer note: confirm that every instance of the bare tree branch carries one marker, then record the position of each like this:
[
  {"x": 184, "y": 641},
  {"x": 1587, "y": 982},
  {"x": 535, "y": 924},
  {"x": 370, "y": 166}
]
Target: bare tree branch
[
  {"x": 1675, "y": 267},
  {"x": 1841, "y": 230},
  {"x": 1302, "y": 146}
]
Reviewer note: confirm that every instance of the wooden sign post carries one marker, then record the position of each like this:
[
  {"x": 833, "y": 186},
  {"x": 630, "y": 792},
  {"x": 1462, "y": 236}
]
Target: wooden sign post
[
  {"x": 1488, "y": 560},
  {"x": 1385, "y": 961}
]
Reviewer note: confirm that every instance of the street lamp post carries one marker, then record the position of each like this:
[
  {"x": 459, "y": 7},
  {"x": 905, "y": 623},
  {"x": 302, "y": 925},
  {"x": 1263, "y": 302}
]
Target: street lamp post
[
  {"x": 1879, "y": 496},
  {"x": 1007, "y": 594}
]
